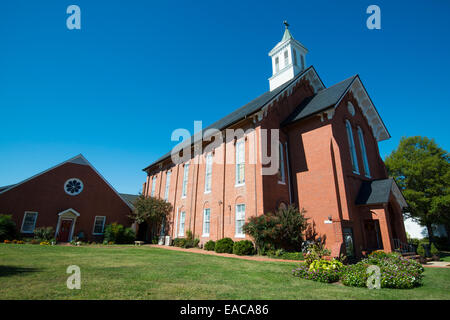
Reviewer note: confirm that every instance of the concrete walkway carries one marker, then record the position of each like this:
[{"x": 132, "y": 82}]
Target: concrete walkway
[
  {"x": 213, "y": 253},
  {"x": 438, "y": 264}
]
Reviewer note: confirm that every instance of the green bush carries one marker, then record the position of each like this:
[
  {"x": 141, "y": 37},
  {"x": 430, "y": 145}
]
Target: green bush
[
  {"x": 316, "y": 251},
  {"x": 224, "y": 245},
  {"x": 44, "y": 233},
  {"x": 117, "y": 233},
  {"x": 209, "y": 246},
  {"x": 396, "y": 271},
  {"x": 7, "y": 228},
  {"x": 421, "y": 250},
  {"x": 320, "y": 270},
  {"x": 286, "y": 255},
  {"x": 434, "y": 251},
  {"x": 243, "y": 248},
  {"x": 179, "y": 242}
]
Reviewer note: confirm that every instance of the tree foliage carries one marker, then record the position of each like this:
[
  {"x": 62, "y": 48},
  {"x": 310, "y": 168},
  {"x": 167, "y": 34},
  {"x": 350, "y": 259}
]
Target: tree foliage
[
  {"x": 151, "y": 210},
  {"x": 283, "y": 229},
  {"x": 422, "y": 171}
]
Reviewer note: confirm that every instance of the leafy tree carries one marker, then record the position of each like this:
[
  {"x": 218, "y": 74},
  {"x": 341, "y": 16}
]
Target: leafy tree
[
  {"x": 153, "y": 211},
  {"x": 7, "y": 228},
  {"x": 422, "y": 170},
  {"x": 283, "y": 229}
]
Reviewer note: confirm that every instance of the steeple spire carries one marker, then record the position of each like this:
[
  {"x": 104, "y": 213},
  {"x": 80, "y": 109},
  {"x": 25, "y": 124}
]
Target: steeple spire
[{"x": 288, "y": 59}]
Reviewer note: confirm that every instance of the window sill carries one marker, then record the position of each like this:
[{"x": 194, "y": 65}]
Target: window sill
[
  {"x": 21, "y": 231},
  {"x": 281, "y": 182},
  {"x": 205, "y": 235},
  {"x": 206, "y": 192},
  {"x": 239, "y": 185},
  {"x": 98, "y": 234},
  {"x": 239, "y": 235}
]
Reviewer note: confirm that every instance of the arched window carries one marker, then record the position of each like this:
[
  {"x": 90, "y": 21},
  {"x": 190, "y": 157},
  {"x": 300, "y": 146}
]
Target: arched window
[
  {"x": 294, "y": 55},
  {"x": 277, "y": 64},
  {"x": 286, "y": 58},
  {"x": 364, "y": 153},
  {"x": 351, "y": 144}
]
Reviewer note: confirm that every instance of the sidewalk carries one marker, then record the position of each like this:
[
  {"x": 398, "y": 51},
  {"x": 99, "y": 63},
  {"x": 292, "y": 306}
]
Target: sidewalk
[
  {"x": 437, "y": 264},
  {"x": 198, "y": 250}
]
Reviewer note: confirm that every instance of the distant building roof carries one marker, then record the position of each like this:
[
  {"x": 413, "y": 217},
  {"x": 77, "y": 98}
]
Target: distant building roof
[{"x": 130, "y": 198}]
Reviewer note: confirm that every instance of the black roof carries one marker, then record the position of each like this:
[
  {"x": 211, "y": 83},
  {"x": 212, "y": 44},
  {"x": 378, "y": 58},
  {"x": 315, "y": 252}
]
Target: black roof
[
  {"x": 240, "y": 113},
  {"x": 374, "y": 192},
  {"x": 320, "y": 101},
  {"x": 130, "y": 198}
]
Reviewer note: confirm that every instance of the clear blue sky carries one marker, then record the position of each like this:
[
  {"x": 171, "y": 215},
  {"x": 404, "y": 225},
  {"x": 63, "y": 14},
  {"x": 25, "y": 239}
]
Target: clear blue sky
[{"x": 137, "y": 70}]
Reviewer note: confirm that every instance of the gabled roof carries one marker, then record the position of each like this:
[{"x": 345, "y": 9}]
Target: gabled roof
[
  {"x": 378, "y": 192},
  {"x": 130, "y": 198},
  {"x": 79, "y": 159},
  {"x": 244, "y": 111},
  {"x": 332, "y": 96},
  {"x": 323, "y": 100}
]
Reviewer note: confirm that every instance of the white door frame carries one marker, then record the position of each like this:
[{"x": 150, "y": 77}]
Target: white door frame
[{"x": 68, "y": 214}]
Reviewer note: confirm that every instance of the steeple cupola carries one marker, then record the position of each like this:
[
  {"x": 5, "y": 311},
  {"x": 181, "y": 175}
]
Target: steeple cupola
[{"x": 288, "y": 59}]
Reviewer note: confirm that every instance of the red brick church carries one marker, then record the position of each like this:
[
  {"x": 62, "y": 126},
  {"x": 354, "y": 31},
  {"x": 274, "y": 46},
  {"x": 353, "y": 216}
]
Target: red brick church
[
  {"x": 329, "y": 164},
  {"x": 72, "y": 197}
]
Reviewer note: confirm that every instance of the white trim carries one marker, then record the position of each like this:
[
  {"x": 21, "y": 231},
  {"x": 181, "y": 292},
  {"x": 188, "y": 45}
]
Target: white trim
[
  {"x": 182, "y": 218},
  {"x": 103, "y": 226},
  {"x": 61, "y": 217},
  {"x": 71, "y": 160},
  {"x": 205, "y": 235},
  {"x": 69, "y": 210},
  {"x": 23, "y": 221},
  {"x": 73, "y": 194},
  {"x": 238, "y": 235}
]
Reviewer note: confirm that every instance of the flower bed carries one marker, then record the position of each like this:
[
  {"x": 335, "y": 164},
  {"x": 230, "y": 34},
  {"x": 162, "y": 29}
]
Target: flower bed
[{"x": 320, "y": 270}]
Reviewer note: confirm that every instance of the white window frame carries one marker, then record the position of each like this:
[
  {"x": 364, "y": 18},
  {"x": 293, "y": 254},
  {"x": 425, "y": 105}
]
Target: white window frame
[
  {"x": 23, "y": 221},
  {"x": 206, "y": 222},
  {"x": 351, "y": 143},
  {"x": 152, "y": 193},
  {"x": 238, "y": 162},
  {"x": 167, "y": 186},
  {"x": 182, "y": 222},
  {"x": 362, "y": 144},
  {"x": 208, "y": 173},
  {"x": 103, "y": 225},
  {"x": 281, "y": 166},
  {"x": 185, "y": 180},
  {"x": 239, "y": 216},
  {"x": 286, "y": 58}
]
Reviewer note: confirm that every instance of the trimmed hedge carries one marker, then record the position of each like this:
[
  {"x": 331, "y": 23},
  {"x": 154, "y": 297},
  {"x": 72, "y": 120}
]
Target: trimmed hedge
[
  {"x": 224, "y": 245},
  {"x": 243, "y": 248},
  {"x": 209, "y": 246}
]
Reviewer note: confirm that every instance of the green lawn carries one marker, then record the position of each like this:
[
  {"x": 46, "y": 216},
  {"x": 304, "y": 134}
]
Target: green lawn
[
  {"x": 445, "y": 256},
  {"x": 128, "y": 272}
]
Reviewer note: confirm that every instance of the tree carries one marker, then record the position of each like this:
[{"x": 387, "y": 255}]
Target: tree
[
  {"x": 283, "y": 229},
  {"x": 153, "y": 211},
  {"x": 422, "y": 171}
]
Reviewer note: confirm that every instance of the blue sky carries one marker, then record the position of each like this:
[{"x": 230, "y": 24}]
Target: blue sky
[{"x": 116, "y": 89}]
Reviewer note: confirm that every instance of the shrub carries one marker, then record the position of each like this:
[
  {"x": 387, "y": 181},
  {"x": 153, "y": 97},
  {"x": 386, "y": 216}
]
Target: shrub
[
  {"x": 434, "y": 251},
  {"x": 117, "y": 233},
  {"x": 320, "y": 270},
  {"x": 209, "y": 246},
  {"x": 316, "y": 251},
  {"x": 34, "y": 241},
  {"x": 44, "y": 233},
  {"x": 7, "y": 227},
  {"x": 396, "y": 272},
  {"x": 282, "y": 229},
  {"x": 179, "y": 242},
  {"x": 243, "y": 248},
  {"x": 224, "y": 245},
  {"x": 421, "y": 250},
  {"x": 282, "y": 254}
]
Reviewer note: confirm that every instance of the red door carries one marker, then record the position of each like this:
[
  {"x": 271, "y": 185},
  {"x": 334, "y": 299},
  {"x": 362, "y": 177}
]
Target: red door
[{"x": 64, "y": 230}]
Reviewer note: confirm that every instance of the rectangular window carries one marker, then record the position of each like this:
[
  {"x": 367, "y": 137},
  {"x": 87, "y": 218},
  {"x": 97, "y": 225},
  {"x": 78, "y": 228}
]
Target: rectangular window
[
  {"x": 281, "y": 165},
  {"x": 181, "y": 228},
  {"x": 364, "y": 153},
  {"x": 286, "y": 58},
  {"x": 294, "y": 54},
  {"x": 351, "y": 144},
  {"x": 240, "y": 220},
  {"x": 208, "y": 173},
  {"x": 277, "y": 64},
  {"x": 29, "y": 222},
  {"x": 302, "y": 58},
  {"x": 185, "y": 180},
  {"x": 240, "y": 162},
  {"x": 153, "y": 187},
  {"x": 99, "y": 225},
  {"x": 206, "y": 219},
  {"x": 166, "y": 190}
]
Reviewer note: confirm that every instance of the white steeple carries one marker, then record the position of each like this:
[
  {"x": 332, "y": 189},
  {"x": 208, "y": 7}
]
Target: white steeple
[{"x": 288, "y": 59}]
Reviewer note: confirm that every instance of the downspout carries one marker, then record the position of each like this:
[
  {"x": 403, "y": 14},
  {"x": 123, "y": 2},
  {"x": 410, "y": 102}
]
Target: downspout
[
  {"x": 289, "y": 171},
  {"x": 223, "y": 186}
]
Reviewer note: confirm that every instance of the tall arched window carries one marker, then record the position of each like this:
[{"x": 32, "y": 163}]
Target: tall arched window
[
  {"x": 351, "y": 144},
  {"x": 364, "y": 153}
]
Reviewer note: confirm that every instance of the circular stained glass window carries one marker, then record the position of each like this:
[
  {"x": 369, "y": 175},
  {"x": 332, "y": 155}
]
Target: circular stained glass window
[{"x": 73, "y": 186}]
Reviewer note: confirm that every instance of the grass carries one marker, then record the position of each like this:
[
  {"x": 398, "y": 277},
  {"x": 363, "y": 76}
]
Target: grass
[
  {"x": 445, "y": 256},
  {"x": 128, "y": 272}
]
